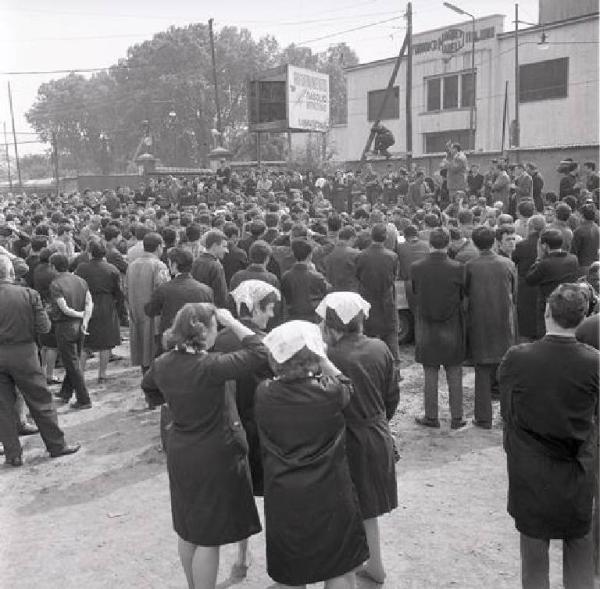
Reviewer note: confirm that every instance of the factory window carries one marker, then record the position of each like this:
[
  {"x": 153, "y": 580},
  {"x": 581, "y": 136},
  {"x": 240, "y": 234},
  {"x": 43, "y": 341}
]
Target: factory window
[
  {"x": 544, "y": 80},
  {"x": 467, "y": 91},
  {"x": 436, "y": 142},
  {"x": 450, "y": 92},
  {"x": 434, "y": 94},
  {"x": 392, "y": 105}
]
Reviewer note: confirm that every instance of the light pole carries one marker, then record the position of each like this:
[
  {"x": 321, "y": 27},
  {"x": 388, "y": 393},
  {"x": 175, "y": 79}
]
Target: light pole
[
  {"x": 172, "y": 124},
  {"x": 473, "y": 77}
]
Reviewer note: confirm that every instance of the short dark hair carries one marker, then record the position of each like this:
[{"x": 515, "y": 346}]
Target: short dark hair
[
  {"x": 526, "y": 208},
  {"x": 60, "y": 262},
  {"x": 590, "y": 165},
  {"x": 439, "y": 238},
  {"x": 457, "y": 146},
  {"x": 334, "y": 222},
  {"x": 588, "y": 212},
  {"x": 230, "y": 230},
  {"x": 379, "y": 232},
  {"x": 301, "y": 249},
  {"x": 152, "y": 241},
  {"x": 568, "y": 304},
  {"x": 111, "y": 232},
  {"x": 141, "y": 231},
  {"x": 483, "y": 237},
  {"x": 553, "y": 238},
  {"x": 37, "y": 243},
  {"x": 214, "y": 236},
  {"x": 259, "y": 252},
  {"x": 411, "y": 231},
  {"x": 96, "y": 249},
  {"x": 504, "y": 229},
  {"x": 257, "y": 228},
  {"x": 431, "y": 220},
  {"x": 63, "y": 228},
  {"x": 193, "y": 232},
  {"x": 347, "y": 232},
  {"x": 271, "y": 219},
  {"x": 465, "y": 217},
  {"x": 170, "y": 236},
  {"x": 455, "y": 234},
  {"x": 562, "y": 211},
  {"x": 182, "y": 257}
]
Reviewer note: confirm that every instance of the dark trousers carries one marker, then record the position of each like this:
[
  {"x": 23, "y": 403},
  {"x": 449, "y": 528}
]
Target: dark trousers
[
  {"x": 69, "y": 341},
  {"x": 485, "y": 383},
  {"x": 455, "y": 389},
  {"x": 20, "y": 367},
  {"x": 578, "y": 563}
]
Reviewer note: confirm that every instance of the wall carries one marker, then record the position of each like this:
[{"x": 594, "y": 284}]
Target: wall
[
  {"x": 99, "y": 182},
  {"x": 563, "y": 121},
  {"x": 553, "y": 10}
]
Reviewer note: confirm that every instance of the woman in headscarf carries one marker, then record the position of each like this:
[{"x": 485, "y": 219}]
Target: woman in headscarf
[
  {"x": 207, "y": 452},
  {"x": 314, "y": 527},
  {"x": 255, "y": 302},
  {"x": 369, "y": 442}
]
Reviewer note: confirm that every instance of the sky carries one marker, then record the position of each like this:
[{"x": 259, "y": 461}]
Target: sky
[{"x": 42, "y": 35}]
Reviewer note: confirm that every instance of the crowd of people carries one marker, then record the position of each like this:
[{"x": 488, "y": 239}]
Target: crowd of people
[{"x": 262, "y": 312}]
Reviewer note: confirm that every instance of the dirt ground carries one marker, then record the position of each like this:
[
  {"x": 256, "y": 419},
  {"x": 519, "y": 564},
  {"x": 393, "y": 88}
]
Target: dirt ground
[{"x": 101, "y": 518}]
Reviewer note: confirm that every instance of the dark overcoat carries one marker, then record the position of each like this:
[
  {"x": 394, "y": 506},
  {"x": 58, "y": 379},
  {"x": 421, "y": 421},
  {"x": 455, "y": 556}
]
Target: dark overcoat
[
  {"x": 207, "y": 451},
  {"x": 369, "y": 443},
  {"x": 376, "y": 270},
  {"x": 524, "y": 257},
  {"x": 491, "y": 288},
  {"x": 314, "y": 528},
  {"x": 551, "y": 392},
  {"x": 438, "y": 286}
]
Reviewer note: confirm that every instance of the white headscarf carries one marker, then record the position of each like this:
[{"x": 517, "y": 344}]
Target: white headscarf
[
  {"x": 288, "y": 339},
  {"x": 347, "y": 306},
  {"x": 251, "y": 292}
]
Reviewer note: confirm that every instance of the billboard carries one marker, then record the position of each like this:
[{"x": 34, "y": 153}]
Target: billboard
[
  {"x": 288, "y": 99},
  {"x": 308, "y": 99}
]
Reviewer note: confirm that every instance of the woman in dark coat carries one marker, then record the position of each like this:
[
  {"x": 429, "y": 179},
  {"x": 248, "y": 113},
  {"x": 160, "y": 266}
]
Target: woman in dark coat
[
  {"x": 207, "y": 452},
  {"x": 369, "y": 442},
  {"x": 104, "y": 281},
  {"x": 314, "y": 527},
  {"x": 255, "y": 302}
]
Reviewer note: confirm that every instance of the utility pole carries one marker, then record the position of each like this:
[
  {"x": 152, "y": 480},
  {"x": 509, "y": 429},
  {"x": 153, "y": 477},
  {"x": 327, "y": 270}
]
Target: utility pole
[
  {"x": 55, "y": 161},
  {"x": 214, "y": 68},
  {"x": 388, "y": 92},
  {"x": 517, "y": 128},
  {"x": 7, "y": 157},
  {"x": 12, "y": 118},
  {"x": 409, "y": 64}
]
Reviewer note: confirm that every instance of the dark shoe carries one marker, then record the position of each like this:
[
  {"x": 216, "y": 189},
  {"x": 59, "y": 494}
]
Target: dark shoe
[
  {"x": 59, "y": 397},
  {"x": 457, "y": 423},
  {"x": 238, "y": 571},
  {"x": 53, "y": 381},
  {"x": 78, "y": 405},
  {"x": 15, "y": 461},
  {"x": 428, "y": 421},
  {"x": 481, "y": 424},
  {"x": 65, "y": 451},
  {"x": 28, "y": 429}
]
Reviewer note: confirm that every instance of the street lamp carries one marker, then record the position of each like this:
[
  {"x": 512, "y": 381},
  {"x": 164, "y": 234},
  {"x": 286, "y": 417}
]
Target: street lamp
[
  {"x": 473, "y": 77},
  {"x": 172, "y": 123}
]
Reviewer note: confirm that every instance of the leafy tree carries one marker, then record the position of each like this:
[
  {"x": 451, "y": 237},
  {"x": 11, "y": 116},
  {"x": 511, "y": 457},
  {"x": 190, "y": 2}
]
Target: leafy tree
[{"x": 167, "y": 81}]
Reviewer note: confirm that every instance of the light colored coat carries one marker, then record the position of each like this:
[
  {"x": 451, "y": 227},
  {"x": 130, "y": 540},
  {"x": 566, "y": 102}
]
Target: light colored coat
[{"x": 144, "y": 276}]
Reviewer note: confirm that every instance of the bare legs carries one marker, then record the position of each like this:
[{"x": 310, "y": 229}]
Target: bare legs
[
  {"x": 200, "y": 564},
  {"x": 374, "y": 566},
  {"x": 346, "y": 581},
  {"x": 103, "y": 357},
  {"x": 49, "y": 356}
]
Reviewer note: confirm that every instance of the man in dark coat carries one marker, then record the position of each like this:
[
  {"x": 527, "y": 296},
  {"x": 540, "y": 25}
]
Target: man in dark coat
[
  {"x": 552, "y": 267},
  {"x": 551, "y": 392},
  {"x": 376, "y": 270},
  {"x": 340, "y": 263},
  {"x": 438, "y": 285},
  {"x": 524, "y": 257},
  {"x": 259, "y": 256},
  {"x": 22, "y": 318},
  {"x": 169, "y": 297},
  {"x": 586, "y": 239},
  {"x": 491, "y": 288},
  {"x": 302, "y": 287},
  {"x": 536, "y": 187},
  {"x": 207, "y": 267},
  {"x": 410, "y": 251}
]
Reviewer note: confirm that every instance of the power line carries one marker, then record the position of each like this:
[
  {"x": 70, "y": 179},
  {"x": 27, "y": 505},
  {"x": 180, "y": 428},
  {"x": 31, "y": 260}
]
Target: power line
[{"x": 349, "y": 30}]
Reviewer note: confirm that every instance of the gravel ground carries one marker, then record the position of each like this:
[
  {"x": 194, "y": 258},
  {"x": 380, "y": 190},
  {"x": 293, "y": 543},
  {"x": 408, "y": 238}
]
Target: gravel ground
[{"x": 101, "y": 518}]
